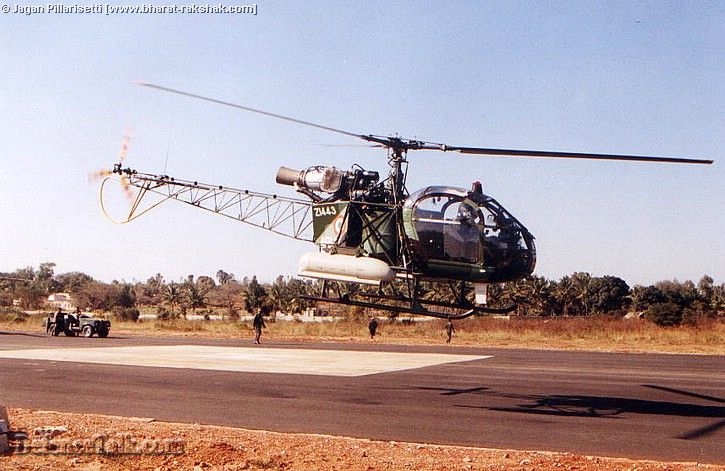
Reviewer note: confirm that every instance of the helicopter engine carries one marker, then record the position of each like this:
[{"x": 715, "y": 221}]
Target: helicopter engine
[{"x": 328, "y": 179}]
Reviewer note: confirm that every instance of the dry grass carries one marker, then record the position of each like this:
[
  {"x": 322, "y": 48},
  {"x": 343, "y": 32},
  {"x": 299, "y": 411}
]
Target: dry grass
[
  {"x": 594, "y": 333},
  {"x": 597, "y": 333}
]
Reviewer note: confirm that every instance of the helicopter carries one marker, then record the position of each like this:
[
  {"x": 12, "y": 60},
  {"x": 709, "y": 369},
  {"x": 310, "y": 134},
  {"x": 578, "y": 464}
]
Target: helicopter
[{"x": 372, "y": 233}]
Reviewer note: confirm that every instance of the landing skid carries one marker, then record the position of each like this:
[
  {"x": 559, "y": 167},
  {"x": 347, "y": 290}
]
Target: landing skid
[{"x": 420, "y": 311}]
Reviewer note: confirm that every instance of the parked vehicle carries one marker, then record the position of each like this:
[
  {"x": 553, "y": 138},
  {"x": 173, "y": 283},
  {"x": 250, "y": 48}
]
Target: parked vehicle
[{"x": 80, "y": 324}]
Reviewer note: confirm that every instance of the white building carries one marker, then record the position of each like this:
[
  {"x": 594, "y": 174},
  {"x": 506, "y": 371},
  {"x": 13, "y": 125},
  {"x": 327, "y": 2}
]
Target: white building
[{"x": 62, "y": 301}]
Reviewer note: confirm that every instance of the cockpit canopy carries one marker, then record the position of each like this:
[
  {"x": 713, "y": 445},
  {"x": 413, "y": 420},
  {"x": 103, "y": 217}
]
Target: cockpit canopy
[{"x": 454, "y": 227}]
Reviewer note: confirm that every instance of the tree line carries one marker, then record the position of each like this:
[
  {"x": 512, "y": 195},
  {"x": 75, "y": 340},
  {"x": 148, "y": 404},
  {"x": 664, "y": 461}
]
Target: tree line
[{"x": 667, "y": 302}]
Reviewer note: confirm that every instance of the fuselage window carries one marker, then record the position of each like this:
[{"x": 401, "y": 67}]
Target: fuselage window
[{"x": 449, "y": 228}]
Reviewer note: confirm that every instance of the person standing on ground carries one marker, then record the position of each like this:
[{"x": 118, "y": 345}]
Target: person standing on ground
[
  {"x": 49, "y": 324},
  {"x": 258, "y": 324},
  {"x": 449, "y": 330},
  {"x": 59, "y": 323},
  {"x": 373, "y": 327}
]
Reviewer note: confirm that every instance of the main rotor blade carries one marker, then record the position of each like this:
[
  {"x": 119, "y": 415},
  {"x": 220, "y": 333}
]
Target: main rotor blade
[
  {"x": 571, "y": 155},
  {"x": 408, "y": 144},
  {"x": 247, "y": 108}
]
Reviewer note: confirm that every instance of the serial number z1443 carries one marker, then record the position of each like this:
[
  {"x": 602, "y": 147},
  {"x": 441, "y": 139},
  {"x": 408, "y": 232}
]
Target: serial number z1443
[{"x": 330, "y": 210}]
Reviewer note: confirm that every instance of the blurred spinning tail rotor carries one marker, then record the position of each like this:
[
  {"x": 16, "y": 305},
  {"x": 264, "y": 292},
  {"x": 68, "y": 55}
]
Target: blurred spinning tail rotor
[
  {"x": 121, "y": 176},
  {"x": 105, "y": 174}
]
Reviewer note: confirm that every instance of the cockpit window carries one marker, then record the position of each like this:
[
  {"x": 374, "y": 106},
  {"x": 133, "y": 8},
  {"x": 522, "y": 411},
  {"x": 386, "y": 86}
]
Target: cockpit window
[{"x": 449, "y": 228}]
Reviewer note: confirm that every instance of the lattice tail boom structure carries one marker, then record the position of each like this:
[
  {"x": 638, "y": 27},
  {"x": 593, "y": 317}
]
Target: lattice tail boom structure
[{"x": 289, "y": 217}]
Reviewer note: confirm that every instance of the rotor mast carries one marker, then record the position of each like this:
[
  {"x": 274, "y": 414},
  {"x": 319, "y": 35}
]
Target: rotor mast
[{"x": 397, "y": 173}]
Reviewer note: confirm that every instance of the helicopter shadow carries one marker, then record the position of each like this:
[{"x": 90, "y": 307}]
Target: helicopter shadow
[{"x": 606, "y": 407}]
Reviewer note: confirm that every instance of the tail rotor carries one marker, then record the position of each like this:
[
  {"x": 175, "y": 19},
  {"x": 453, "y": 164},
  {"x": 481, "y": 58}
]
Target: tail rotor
[
  {"x": 116, "y": 174},
  {"x": 105, "y": 173}
]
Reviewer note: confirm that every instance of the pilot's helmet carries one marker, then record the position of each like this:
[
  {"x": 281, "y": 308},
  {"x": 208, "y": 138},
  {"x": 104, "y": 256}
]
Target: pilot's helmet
[{"x": 466, "y": 213}]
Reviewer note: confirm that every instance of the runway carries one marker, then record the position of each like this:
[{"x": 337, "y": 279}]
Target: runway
[{"x": 665, "y": 407}]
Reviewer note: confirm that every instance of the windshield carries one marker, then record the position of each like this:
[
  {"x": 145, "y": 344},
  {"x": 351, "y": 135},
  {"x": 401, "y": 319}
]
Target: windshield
[{"x": 449, "y": 228}]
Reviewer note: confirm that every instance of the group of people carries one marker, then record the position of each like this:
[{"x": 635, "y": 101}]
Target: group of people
[
  {"x": 373, "y": 329},
  {"x": 258, "y": 324},
  {"x": 58, "y": 323}
]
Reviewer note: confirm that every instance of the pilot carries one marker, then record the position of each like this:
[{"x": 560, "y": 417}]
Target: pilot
[
  {"x": 462, "y": 241},
  {"x": 466, "y": 215}
]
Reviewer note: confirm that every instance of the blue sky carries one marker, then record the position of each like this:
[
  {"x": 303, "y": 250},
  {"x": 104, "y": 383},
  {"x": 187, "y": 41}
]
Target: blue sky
[{"x": 617, "y": 77}]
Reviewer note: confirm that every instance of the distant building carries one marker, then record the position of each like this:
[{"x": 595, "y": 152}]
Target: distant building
[{"x": 62, "y": 301}]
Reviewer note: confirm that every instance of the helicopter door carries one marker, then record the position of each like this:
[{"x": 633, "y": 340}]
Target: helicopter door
[{"x": 449, "y": 228}]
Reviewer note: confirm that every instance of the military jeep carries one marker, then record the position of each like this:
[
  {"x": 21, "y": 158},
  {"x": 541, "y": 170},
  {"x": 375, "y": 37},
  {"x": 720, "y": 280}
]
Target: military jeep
[
  {"x": 88, "y": 326},
  {"x": 81, "y": 324}
]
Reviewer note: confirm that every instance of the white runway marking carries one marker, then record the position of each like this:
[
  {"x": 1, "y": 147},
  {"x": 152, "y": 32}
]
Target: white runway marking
[{"x": 253, "y": 360}]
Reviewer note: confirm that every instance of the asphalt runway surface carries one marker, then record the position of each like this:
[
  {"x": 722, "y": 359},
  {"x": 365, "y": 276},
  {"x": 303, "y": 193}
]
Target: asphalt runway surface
[{"x": 653, "y": 406}]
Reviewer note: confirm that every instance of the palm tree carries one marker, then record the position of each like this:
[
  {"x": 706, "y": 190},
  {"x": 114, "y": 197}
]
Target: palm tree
[
  {"x": 582, "y": 284},
  {"x": 541, "y": 294},
  {"x": 254, "y": 295},
  {"x": 510, "y": 294},
  {"x": 297, "y": 288},
  {"x": 172, "y": 296},
  {"x": 195, "y": 297},
  {"x": 278, "y": 296},
  {"x": 564, "y": 292}
]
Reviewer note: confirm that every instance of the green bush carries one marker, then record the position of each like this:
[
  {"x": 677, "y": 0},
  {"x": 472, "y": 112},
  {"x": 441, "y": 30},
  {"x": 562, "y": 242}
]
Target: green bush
[
  {"x": 126, "y": 313},
  {"x": 664, "y": 314},
  {"x": 164, "y": 314}
]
